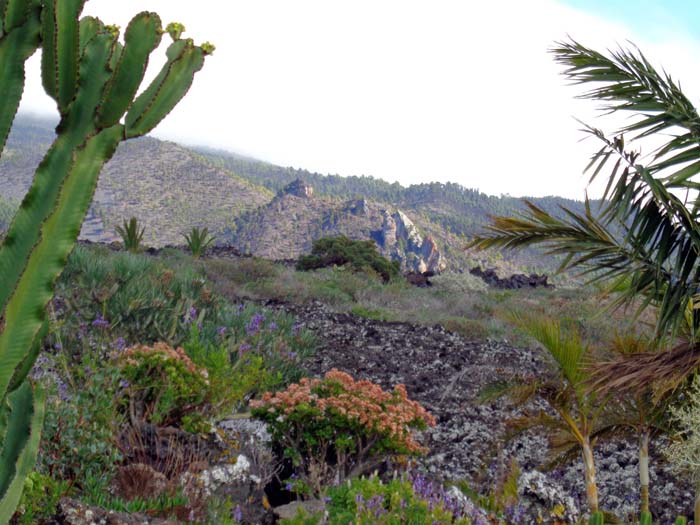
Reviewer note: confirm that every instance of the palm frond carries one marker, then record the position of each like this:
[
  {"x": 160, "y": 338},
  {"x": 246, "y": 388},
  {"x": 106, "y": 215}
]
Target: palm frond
[
  {"x": 566, "y": 349},
  {"x": 659, "y": 249},
  {"x": 657, "y": 372}
]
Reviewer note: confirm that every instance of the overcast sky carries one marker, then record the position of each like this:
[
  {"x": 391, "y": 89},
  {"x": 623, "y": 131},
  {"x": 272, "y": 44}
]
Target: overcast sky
[{"x": 404, "y": 90}]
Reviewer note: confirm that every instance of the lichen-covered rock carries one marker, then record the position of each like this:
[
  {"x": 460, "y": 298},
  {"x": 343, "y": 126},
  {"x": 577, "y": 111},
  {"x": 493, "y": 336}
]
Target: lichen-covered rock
[
  {"x": 74, "y": 512},
  {"x": 545, "y": 500}
]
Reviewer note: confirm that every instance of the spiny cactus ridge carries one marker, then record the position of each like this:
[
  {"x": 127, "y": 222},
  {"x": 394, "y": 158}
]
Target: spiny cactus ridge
[{"x": 93, "y": 78}]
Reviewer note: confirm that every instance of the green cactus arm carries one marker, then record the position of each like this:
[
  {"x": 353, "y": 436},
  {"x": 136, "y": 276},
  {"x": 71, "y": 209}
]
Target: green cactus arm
[
  {"x": 15, "y": 12},
  {"x": 142, "y": 37},
  {"x": 597, "y": 518},
  {"x": 645, "y": 518},
  {"x": 173, "y": 82},
  {"x": 16, "y": 46},
  {"x": 25, "y": 311},
  {"x": 19, "y": 448},
  {"x": 89, "y": 28},
  {"x": 61, "y": 43},
  {"x": 680, "y": 520},
  {"x": 24, "y": 231},
  {"x": 26, "y": 365}
]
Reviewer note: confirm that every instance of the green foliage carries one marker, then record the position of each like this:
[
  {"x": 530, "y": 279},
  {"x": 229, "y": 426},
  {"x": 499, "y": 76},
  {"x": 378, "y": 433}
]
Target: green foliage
[
  {"x": 198, "y": 240},
  {"x": 79, "y": 440},
  {"x": 369, "y": 501},
  {"x": 39, "y": 499},
  {"x": 142, "y": 299},
  {"x": 162, "y": 386},
  {"x": 597, "y": 518},
  {"x": 96, "y": 492},
  {"x": 131, "y": 235},
  {"x": 338, "y": 251}
]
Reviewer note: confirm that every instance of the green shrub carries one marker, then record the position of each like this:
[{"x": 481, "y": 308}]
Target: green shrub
[
  {"x": 131, "y": 235},
  {"x": 339, "y": 251},
  {"x": 141, "y": 299},
  {"x": 369, "y": 501},
  {"x": 162, "y": 386},
  {"x": 39, "y": 499},
  {"x": 81, "y": 421},
  {"x": 336, "y": 428}
]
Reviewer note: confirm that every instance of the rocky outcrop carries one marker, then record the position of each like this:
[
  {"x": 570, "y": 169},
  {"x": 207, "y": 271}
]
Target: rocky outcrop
[
  {"x": 401, "y": 240},
  {"x": 298, "y": 188},
  {"x": 514, "y": 282}
]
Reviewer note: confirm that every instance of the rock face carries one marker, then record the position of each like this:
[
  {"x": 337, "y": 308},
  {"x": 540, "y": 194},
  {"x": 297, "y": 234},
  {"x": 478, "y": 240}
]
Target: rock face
[
  {"x": 299, "y": 188},
  {"x": 402, "y": 241},
  {"x": 513, "y": 282},
  {"x": 287, "y": 226}
]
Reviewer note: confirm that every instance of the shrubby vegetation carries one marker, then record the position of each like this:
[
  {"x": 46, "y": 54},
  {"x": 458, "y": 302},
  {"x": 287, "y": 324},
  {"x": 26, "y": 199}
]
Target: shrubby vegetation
[{"x": 361, "y": 256}]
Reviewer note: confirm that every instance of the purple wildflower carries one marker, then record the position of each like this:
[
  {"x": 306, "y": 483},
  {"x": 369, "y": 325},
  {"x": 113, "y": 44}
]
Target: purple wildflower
[
  {"x": 58, "y": 346},
  {"x": 272, "y": 326},
  {"x": 123, "y": 383},
  {"x": 100, "y": 322},
  {"x": 238, "y": 514},
  {"x": 119, "y": 344},
  {"x": 254, "y": 324},
  {"x": 243, "y": 349},
  {"x": 221, "y": 331}
]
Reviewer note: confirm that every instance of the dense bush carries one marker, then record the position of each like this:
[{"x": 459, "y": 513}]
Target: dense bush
[
  {"x": 335, "y": 428},
  {"x": 338, "y": 251},
  {"x": 162, "y": 386}
]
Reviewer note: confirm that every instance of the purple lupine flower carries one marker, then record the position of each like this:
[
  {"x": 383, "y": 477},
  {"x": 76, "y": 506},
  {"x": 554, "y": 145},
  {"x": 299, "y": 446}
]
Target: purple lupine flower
[
  {"x": 272, "y": 326},
  {"x": 63, "y": 392},
  {"x": 119, "y": 344},
  {"x": 100, "y": 322},
  {"x": 241, "y": 307},
  {"x": 296, "y": 328},
  {"x": 238, "y": 514},
  {"x": 58, "y": 346},
  {"x": 123, "y": 383},
  {"x": 254, "y": 324},
  {"x": 243, "y": 349},
  {"x": 221, "y": 331}
]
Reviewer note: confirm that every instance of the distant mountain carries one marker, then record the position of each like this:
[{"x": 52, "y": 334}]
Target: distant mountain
[
  {"x": 168, "y": 187},
  {"x": 171, "y": 188}
]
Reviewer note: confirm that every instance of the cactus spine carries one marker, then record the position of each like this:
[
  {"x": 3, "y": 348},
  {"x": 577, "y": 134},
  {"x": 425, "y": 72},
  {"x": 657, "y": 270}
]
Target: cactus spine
[{"x": 93, "y": 78}]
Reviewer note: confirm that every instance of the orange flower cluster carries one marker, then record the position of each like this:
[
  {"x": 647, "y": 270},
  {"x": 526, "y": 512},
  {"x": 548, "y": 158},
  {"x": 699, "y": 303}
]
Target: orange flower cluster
[
  {"x": 390, "y": 414},
  {"x": 165, "y": 352}
]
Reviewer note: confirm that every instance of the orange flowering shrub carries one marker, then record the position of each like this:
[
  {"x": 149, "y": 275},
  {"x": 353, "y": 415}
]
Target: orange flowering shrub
[{"x": 334, "y": 428}]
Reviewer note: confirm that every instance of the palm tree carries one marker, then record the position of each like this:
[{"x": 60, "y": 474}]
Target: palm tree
[
  {"x": 576, "y": 419},
  {"x": 652, "y": 202}
]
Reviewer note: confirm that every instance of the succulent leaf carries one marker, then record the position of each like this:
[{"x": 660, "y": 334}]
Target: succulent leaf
[
  {"x": 24, "y": 415},
  {"x": 16, "y": 47}
]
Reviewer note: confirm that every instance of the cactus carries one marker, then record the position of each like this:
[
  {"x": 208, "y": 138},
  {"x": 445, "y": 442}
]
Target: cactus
[
  {"x": 645, "y": 518},
  {"x": 680, "y": 520},
  {"x": 93, "y": 79}
]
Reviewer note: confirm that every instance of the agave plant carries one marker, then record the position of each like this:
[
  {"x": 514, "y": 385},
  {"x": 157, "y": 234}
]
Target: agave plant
[
  {"x": 93, "y": 77},
  {"x": 198, "y": 240},
  {"x": 131, "y": 235},
  {"x": 654, "y": 202}
]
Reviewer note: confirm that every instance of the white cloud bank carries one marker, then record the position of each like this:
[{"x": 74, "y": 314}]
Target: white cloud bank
[{"x": 404, "y": 90}]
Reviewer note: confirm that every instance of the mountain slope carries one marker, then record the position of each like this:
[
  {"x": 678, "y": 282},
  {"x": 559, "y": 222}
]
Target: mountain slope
[
  {"x": 168, "y": 187},
  {"x": 171, "y": 188}
]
